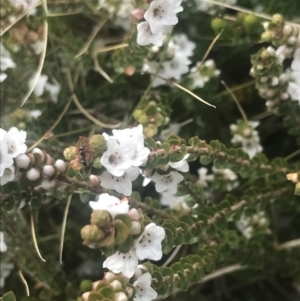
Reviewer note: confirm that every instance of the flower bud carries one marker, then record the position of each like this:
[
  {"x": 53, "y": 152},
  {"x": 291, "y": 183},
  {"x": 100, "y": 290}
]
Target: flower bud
[
  {"x": 97, "y": 163},
  {"x": 129, "y": 70},
  {"x": 33, "y": 174},
  {"x": 134, "y": 214},
  {"x": 150, "y": 130},
  {"x": 109, "y": 276},
  {"x": 116, "y": 284},
  {"x": 22, "y": 161},
  {"x": 287, "y": 30},
  {"x": 76, "y": 165},
  {"x": 267, "y": 36},
  {"x": 138, "y": 14},
  {"x": 294, "y": 177},
  {"x": 70, "y": 153},
  {"x": 61, "y": 165},
  {"x": 91, "y": 234},
  {"x": 48, "y": 171},
  {"x": 97, "y": 144},
  {"x": 94, "y": 180},
  {"x": 121, "y": 297},
  {"x": 39, "y": 152},
  {"x": 49, "y": 160},
  {"x": 47, "y": 185},
  {"x": 95, "y": 284},
  {"x": 135, "y": 228},
  {"x": 85, "y": 285},
  {"x": 277, "y": 19},
  {"x": 100, "y": 218},
  {"x": 85, "y": 296},
  {"x": 129, "y": 291},
  {"x": 31, "y": 158}
]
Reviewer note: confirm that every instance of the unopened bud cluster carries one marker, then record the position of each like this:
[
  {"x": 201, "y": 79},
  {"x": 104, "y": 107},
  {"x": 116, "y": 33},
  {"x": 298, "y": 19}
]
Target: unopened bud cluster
[
  {"x": 271, "y": 83},
  {"x": 152, "y": 116},
  {"x": 282, "y": 35},
  {"x": 114, "y": 232},
  {"x": 295, "y": 178},
  {"x": 86, "y": 152}
]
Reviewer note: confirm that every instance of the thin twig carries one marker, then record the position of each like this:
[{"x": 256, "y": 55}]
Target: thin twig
[
  {"x": 34, "y": 236},
  {"x": 289, "y": 244},
  {"x": 175, "y": 252},
  {"x": 63, "y": 228},
  {"x": 43, "y": 55},
  {"x": 24, "y": 282}
]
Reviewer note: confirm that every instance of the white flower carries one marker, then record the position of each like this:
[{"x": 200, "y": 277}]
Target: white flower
[
  {"x": 161, "y": 13},
  {"x": 134, "y": 136},
  {"x": 181, "y": 165},
  {"x": 144, "y": 291},
  {"x": 145, "y": 36},
  {"x": 8, "y": 175},
  {"x": 125, "y": 263},
  {"x": 111, "y": 204},
  {"x": 43, "y": 85},
  {"x": 117, "y": 158},
  {"x": 168, "y": 182},
  {"x": 3, "y": 246},
  {"x": 296, "y": 61},
  {"x": 5, "y": 270},
  {"x": 121, "y": 184},
  {"x": 184, "y": 45},
  {"x": 149, "y": 244},
  {"x": 15, "y": 141},
  {"x": 204, "y": 177},
  {"x": 173, "y": 201}
]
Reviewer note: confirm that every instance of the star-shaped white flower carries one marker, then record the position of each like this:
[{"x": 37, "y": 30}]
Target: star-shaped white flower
[
  {"x": 111, "y": 204},
  {"x": 125, "y": 263},
  {"x": 121, "y": 184},
  {"x": 168, "y": 182},
  {"x": 144, "y": 291},
  {"x": 134, "y": 136},
  {"x": 15, "y": 141},
  {"x": 173, "y": 201},
  {"x": 117, "y": 158},
  {"x": 5, "y": 270},
  {"x": 6, "y": 159},
  {"x": 148, "y": 245},
  {"x": 145, "y": 36},
  {"x": 162, "y": 13}
]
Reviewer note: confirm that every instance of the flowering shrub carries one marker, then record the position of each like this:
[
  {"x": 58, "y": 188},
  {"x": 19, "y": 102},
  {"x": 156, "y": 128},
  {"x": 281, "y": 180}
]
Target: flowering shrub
[{"x": 148, "y": 148}]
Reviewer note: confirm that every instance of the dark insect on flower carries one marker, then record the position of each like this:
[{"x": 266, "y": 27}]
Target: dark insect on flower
[{"x": 85, "y": 154}]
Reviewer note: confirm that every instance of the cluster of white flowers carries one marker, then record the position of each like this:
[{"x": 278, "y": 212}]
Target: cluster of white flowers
[
  {"x": 167, "y": 182},
  {"x": 177, "y": 60},
  {"x": 42, "y": 85},
  {"x": 12, "y": 145},
  {"x": 226, "y": 176},
  {"x": 294, "y": 83},
  {"x": 247, "y": 224},
  {"x": 200, "y": 76},
  {"x": 147, "y": 246},
  {"x": 6, "y": 62},
  {"x": 5, "y": 268},
  {"x": 124, "y": 154},
  {"x": 174, "y": 202},
  {"x": 245, "y": 135},
  {"x": 160, "y": 15}
]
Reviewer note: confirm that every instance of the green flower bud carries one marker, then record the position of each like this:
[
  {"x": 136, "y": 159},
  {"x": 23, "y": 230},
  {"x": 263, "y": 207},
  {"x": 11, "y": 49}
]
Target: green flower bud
[
  {"x": 85, "y": 285},
  {"x": 267, "y": 36},
  {"x": 218, "y": 24},
  {"x": 97, "y": 144},
  {"x": 150, "y": 130},
  {"x": 70, "y": 153},
  {"x": 91, "y": 234},
  {"x": 297, "y": 189},
  {"x": 277, "y": 19},
  {"x": 137, "y": 114},
  {"x": 97, "y": 163},
  {"x": 143, "y": 119},
  {"x": 101, "y": 218}
]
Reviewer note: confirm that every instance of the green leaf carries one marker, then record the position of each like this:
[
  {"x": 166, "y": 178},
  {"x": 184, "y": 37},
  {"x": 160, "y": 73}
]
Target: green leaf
[
  {"x": 205, "y": 160},
  {"x": 9, "y": 297}
]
